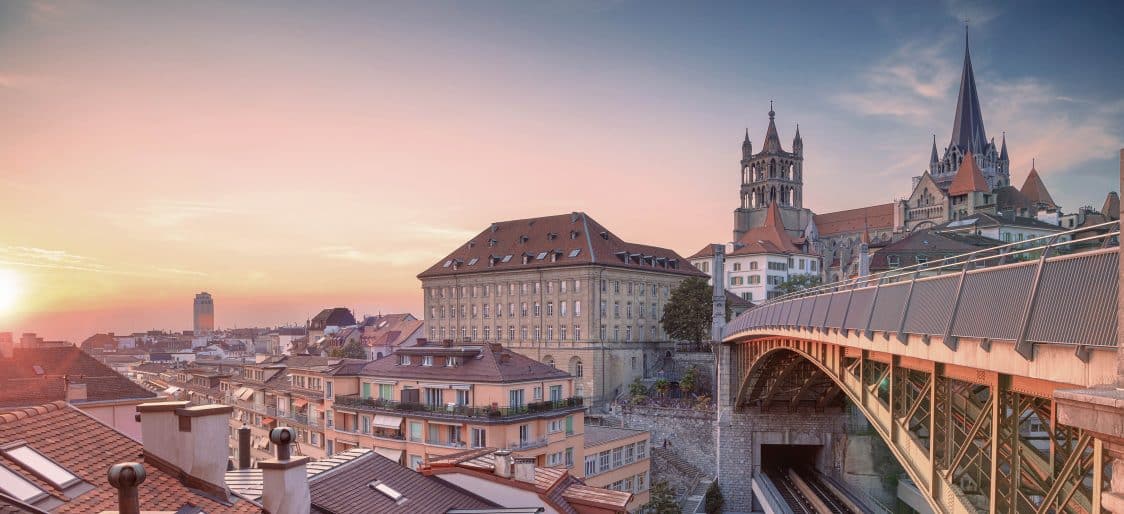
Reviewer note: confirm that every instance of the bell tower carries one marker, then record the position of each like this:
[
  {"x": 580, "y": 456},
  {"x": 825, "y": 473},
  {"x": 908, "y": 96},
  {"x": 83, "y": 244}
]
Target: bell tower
[{"x": 771, "y": 176}]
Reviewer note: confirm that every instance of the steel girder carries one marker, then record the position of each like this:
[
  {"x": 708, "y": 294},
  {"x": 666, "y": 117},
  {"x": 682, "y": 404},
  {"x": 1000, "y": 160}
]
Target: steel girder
[{"x": 971, "y": 440}]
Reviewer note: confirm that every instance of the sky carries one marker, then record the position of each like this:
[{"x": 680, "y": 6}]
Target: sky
[{"x": 291, "y": 156}]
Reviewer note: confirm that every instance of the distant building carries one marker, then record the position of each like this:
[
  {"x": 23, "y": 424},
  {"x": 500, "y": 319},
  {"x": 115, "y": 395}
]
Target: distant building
[
  {"x": 204, "y": 314},
  {"x": 385, "y": 333},
  {"x": 561, "y": 289},
  {"x": 329, "y": 321},
  {"x": 925, "y": 246}
]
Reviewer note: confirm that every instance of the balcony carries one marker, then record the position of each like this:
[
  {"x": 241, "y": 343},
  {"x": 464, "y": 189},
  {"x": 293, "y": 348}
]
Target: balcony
[
  {"x": 529, "y": 444},
  {"x": 377, "y": 434},
  {"x": 488, "y": 414},
  {"x": 446, "y": 444},
  {"x": 272, "y": 412}
]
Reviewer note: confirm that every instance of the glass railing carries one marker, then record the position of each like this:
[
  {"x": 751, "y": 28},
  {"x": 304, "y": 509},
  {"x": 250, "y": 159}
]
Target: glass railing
[{"x": 494, "y": 412}]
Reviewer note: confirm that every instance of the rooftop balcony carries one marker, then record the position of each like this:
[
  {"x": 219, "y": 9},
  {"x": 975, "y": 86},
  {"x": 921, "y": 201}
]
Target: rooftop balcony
[
  {"x": 489, "y": 414},
  {"x": 272, "y": 412}
]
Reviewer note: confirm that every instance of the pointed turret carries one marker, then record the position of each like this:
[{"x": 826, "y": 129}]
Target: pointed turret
[
  {"x": 968, "y": 178},
  {"x": 747, "y": 147},
  {"x": 1035, "y": 190},
  {"x": 1111, "y": 207},
  {"x": 1003, "y": 152},
  {"x": 797, "y": 141},
  {"x": 772, "y": 142},
  {"x": 968, "y": 128},
  {"x": 933, "y": 159}
]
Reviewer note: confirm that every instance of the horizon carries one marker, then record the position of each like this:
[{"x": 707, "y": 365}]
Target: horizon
[{"x": 290, "y": 159}]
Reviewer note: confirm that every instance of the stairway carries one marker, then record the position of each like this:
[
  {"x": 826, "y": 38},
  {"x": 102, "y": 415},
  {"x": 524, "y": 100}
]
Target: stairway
[{"x": 692, "y": 488}]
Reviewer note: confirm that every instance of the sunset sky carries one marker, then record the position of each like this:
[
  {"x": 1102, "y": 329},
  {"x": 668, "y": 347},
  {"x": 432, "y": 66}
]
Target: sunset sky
[{"x": 287, "y": 157}]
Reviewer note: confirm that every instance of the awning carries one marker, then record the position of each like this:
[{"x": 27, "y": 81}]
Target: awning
[
  {"x": 394, "y": 455},
  {"x": 172, "y": 390},
  {"x": 387, "y": 421},
  {"x": 300, "y": 403},
  {"x": 245, "y": 393},
  {"x": 268, "y": 421}
]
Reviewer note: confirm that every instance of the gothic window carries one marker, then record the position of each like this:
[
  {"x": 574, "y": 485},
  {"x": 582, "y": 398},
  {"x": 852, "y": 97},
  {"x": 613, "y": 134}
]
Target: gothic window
[{"x": 772, "y": 169}]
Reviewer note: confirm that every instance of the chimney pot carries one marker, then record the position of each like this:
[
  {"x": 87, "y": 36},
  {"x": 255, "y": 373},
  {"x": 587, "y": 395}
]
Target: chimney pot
[
  {"x": 503, "y": 463},
  {"x": 126, "y": 476},
  {"x": 283, "y": 437},
  {"x": 244, "y": 447}
]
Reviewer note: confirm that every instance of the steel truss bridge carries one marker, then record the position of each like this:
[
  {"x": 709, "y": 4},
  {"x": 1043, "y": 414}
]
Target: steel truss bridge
[{"x": 955, "y": 364}]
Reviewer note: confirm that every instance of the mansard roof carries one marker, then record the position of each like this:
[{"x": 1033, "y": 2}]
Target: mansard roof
[
  {"x": 968, "y": 128},
  {"x": 968, "y": 178},
  {"x": 1034, "y": 190},
  {"x": 573, "y": 239}
]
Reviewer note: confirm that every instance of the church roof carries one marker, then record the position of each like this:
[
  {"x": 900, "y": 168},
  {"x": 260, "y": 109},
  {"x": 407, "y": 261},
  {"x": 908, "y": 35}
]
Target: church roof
[
  {"x": 1034, "y": 190},
  {"x": 1111, "y": 206},
  {"x": 968, "y": 127},
  {"x": 968, "y": 178},
  {"x": 855, "y": 220},
  {"x": 768, "y": 238},
  {"x": 933, "y": 157},
  {"x": 1003, "y": 152},
  {"x": 1009, "y": 198}
]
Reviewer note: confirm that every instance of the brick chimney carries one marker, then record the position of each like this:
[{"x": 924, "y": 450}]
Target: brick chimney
[
  {"x": 284, "y": 479},
  {"x": 188, "y": 443}
]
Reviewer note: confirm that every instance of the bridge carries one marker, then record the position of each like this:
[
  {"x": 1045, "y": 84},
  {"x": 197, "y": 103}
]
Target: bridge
[{"x": 971, "y": 368}]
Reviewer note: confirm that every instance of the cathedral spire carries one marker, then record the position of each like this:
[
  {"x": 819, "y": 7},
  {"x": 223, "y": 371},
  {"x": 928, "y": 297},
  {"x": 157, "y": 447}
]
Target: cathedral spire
[
  {"x": 968, "y": 128},
  {"x": 933, "y": 158},
  {"x": 747, "y": 147},
  {"x": 1003, "y": 152},
  {"x": 772, "y": 142}
]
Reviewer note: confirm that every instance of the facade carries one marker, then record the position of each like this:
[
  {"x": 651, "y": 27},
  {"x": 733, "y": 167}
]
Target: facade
[
  {"x": 617, "y": 459},
  {"x": 203, "y": 314},
  {"x": 563, "y": 290},
  {"x": 440, "y": 399},
  {"x": 327, "y": 322},
  {"x": 762, "y": 259}
]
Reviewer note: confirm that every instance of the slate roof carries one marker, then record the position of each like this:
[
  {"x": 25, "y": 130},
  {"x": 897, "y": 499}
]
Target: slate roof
[
  {"x": 1009, "y": 198},
  {"x": 983, "y": 219},
  {"x": 554, "y": 239},
  {"x": 931, "y": 244},
  {"x": 968, "y": 128},
  {"x": 490, "y": 363},
  {"x": 22, "y": 384},
  {"x": 344, "y": 490},
  {"x": 876, "y": 217},
  {"x": 734, "y": 300},
  {"x": 390, "y": 329},
  {"x": 595, "y": 435},
  {"x": 335, "y": 317},
  {"x": 968, "y": 178},
  {"x": 1035, "y": 191},
  {"x": 87, "y": 448}
]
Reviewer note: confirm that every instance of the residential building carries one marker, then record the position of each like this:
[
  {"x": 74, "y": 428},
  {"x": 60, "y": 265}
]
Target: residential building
[
  {"x": 328, "y": 321},
  {"x": 617, "y": 459},
  {"x": 35, "y": 376},
  {"x": 204, "y": 314},
  {"x": 926, "y": 246},
  {"x": 563, "y": 290},
  {"x": 762, "y": 259},
  {"x": 385, "y": 333},
  {"x": 1001, "y": 227},
  {"x": 442, "y": 398}
]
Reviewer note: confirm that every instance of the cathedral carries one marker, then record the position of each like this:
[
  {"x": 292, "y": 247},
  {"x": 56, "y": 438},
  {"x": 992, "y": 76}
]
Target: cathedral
[{"x": 971, "y": 178}]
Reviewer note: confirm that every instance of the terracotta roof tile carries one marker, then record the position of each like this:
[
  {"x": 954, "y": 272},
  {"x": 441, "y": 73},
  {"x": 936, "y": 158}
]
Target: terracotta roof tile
[
  {"x": 768, "y": 238},
  {"x": 551, "y": 241},
  {"x": 968, "y": 178},
  {"x": 1035, "y": 191},
  {"x": 38, "y": 375},
  {"x": 878, "y": 217},
  {"x": 493, "y": 364}
]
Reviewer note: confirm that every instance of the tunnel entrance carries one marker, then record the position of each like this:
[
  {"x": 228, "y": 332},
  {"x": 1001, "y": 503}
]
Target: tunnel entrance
[{"x": 796, "y": 456}]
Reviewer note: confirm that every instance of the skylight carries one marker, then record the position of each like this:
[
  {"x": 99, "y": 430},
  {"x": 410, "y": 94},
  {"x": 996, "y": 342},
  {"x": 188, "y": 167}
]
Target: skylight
[
  {"x": 42, "y": 466},
  {"x": 390, "y": 492},
  {"x": 541, "y": 256},
  {"x": 15, "y": 485},
  {"x": 506, "y": 258},
  {"x": 575, "y": 252},
  {"x": 447, "y": 263},
  {"x": 472, "y": 261}
]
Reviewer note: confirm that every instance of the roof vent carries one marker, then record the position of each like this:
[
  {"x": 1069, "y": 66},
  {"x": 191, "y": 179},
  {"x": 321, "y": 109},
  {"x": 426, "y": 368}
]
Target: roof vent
[
  {"x": 495, "y": 227},
  {"x": 605, "y": 236},
  {"x": 575, "y": 216}
]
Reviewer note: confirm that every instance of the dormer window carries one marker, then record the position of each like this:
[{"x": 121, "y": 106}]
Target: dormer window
[
  {"x": 427, "y": 360},
  {"x": 491, "y": 243},
  {"x": 523, "y": 239},
  {"x": 551, "y": 236},
  {"x": 403, "y": 360},
  {"x": 574, "y": 234},
  {"x": 526, "y": 258},
  {"x": 605, "y": 236},
  {"x": 452, "y": 362}
]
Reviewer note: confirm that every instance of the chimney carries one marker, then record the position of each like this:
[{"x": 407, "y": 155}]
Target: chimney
[
  {"x": 74, "y": 392},
  {"x": 244, "y": 447},
  {"x": 180, "y": 440},
  {"x": 6, "y": 345},
  {"x": 126, "y": 477},
  {"x": 284, "y": 479},
  {"x": 503, "y": 463},
  {"x": 525, "y": 469}
]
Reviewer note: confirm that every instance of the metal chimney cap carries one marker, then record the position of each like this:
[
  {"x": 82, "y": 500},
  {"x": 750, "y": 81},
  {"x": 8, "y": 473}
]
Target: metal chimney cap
[
  {"x": 282, "y": 435},
  {"x": 126, "y": 474}
]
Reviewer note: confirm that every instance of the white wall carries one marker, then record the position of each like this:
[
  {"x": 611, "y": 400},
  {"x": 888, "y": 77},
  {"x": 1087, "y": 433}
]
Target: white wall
[
  {"x": 121, "y": 417},
  {"x": 504, "y": 495}
]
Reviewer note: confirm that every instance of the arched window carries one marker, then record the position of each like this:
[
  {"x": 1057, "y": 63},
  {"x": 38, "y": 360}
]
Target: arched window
[
  {"x": 548, "y": 360},
  {"x": 576, "y": 367},
  {"x": 773, "y": 168}
]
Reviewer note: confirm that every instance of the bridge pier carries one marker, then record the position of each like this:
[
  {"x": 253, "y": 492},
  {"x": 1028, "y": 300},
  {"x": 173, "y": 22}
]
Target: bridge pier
[{"x": 1101, "y": 410}]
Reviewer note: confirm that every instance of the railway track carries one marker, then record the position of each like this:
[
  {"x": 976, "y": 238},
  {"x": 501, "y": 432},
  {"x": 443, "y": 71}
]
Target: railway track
[{"x": 806, "y": 492}]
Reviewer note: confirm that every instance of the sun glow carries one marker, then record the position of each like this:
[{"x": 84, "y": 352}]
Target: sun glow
[{"x": 9, "y": 291}]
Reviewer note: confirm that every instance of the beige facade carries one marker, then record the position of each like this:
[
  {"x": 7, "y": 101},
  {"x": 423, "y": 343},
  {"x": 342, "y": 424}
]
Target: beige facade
[
  {"x": 621, "y": 463},
  {"x": 595, "y": 322}
]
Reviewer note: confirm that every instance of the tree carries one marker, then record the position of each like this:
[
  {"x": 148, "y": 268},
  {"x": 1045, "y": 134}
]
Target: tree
[
  {"x": 662, "y": 387},
  {"x": 636, "y": 388},
  {"x": 690, "y": 380},
  {"x": 352, "y": 350},
  {"x": 662, "y": 500},
  {"x": 713, "y": 501},
  {"x": 797, "y": 283},
  {"x": 687, "y": 315}
]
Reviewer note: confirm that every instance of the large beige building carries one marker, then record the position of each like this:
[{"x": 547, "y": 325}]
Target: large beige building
[{"x": 562, "y": 290}]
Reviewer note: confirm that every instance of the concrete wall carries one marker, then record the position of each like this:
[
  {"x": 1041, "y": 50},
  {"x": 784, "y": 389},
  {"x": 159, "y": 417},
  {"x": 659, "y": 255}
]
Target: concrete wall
[{"x": 690, "y": 433}]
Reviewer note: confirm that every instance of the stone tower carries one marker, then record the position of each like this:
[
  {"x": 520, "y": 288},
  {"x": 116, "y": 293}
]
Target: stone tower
[{"x": 772, "y": 176}]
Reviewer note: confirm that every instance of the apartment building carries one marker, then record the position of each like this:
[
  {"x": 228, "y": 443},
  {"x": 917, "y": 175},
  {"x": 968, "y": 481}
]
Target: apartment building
[
  {"x": 617, "y": 459},
  {"x": 437, "y": 399},
  {"x": 562, "y": 290}
]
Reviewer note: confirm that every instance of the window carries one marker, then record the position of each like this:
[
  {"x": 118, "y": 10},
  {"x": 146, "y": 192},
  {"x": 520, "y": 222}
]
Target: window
[
  {"x": 403, "y": 360},
  {"x": 577, "y": 286},
  {"x": 386, "y": 391},
  {"x": 550, "y": 332},
  {"x": 433, "y": 397},
  {"x": 555, "y": 391},
  {"x": 365, "y": 424},
  {"x": 618, "y": 457},
  {"x": 577, "y": 332},
  {"x": 616, "y": 309},
  {"x": 515, "y": 398},
  {"x": 590, "y": 465},
  {"x": 562, "y": 308},
  {"x": 415, "y": 462},
  {"x": 569, "y": 425},
  {"x": 524, "y": 434},
  {"x": 922, "y": 259},
  {"x": 550, "y": 287},
  {"x": 15, "y": 485},
  {"x": 536, "y": 393},
  {"x": 578, "y": 368},
  {"x": 628, "y": 334},
  {"x": 479, "y": 438},
  {"x": 511, "y": 332},
  {"x": 474, "y": 333},
  {"x": 415, "y": 431},
  {"x": 616, "y": 287},
  {"x": 485, "y": 310},
  {"x": 628, "y": 310},
  {"x": 549, "y": 308},
  {"x": 328, "y": 390},
  {"x": 569, "y": 457},
  {"x": 427, "y": 360},
  {"x": 538, "y": 308},
  {"x": 893, "y": 261},
  {"x": 629, "y": 454},
  {"x": 753, "y": 265},
  {"x": 737, "y": 266},
  {"x": 555, "y": 426},
  {"x": 523, "y": 309},
  {"x": 603, "y": 461},
  {"x": 366, "y": 391},
  {"x": 642, "y": 450}
]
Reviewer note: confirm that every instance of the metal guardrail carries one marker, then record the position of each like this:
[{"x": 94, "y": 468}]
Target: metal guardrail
[
  {"x": 489, "y": 412},
  {"x": 271, "y": 411},
  {"x": 1026, "y": 292}
]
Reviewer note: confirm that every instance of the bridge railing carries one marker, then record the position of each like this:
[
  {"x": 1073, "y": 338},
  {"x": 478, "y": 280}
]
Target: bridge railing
[{"x": 1058, "y": 289}]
